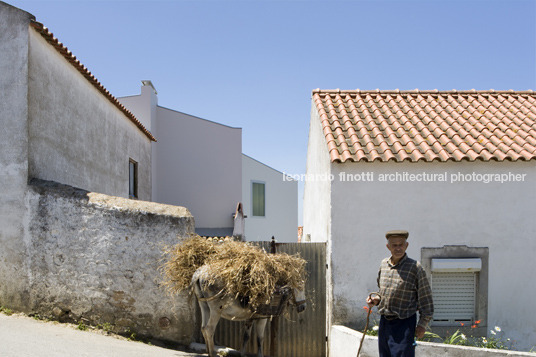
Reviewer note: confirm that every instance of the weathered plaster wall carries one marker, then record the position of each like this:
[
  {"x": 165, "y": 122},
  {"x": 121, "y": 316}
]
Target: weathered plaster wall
[
  {"x": 281, "y": 204},
  {"x": 76, "y": 136},
  {"x": 13, "y": 154},
  {"x": 95, "y": 258},
  {"x": 499, "y": 216}
]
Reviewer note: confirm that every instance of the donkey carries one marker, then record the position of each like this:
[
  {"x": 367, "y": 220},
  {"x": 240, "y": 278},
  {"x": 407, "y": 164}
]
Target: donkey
[{"x": 215, "y": 304}]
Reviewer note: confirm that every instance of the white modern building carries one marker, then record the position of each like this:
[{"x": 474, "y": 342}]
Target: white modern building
[
  {"x": 268, "y": 197},
  {"x": 455, "y": 169},
  {"x": 198, "y": 164}
]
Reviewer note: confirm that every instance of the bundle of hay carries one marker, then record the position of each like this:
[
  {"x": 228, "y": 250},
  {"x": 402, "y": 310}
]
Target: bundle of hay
[{"x": 245, "y": 271}]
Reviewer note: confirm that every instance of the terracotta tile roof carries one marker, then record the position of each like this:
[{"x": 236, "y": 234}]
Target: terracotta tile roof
[
  {"x": 428, "y": 125},
  {"x": 53, "y": 41}
]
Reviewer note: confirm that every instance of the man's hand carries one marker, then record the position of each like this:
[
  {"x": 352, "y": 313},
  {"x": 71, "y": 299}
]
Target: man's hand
[
  {"x": 419, "y": 332},
  {"x": 375, "y": 300}
]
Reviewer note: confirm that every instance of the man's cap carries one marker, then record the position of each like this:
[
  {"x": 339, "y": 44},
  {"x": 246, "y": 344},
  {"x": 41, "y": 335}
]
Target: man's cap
[{"x": 397, "y": 233}]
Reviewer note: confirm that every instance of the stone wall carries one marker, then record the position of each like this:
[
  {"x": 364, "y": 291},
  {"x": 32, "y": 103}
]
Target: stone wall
[{"x": 95, "y": 258}]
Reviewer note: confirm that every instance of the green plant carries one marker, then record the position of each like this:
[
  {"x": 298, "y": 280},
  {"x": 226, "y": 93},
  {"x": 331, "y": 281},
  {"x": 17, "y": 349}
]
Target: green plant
[
  {"x": 131, "y": 336},
  {"x": 82, "y": 326},
  {"x": 107, "y": 327},
  {"x": 457, "y": 338},
  {"x": 430, "y": 336},
  {"x": 494, "y": 340},
  {"x": 6, "y": 311},
  {"x": 373, "y": 331}
]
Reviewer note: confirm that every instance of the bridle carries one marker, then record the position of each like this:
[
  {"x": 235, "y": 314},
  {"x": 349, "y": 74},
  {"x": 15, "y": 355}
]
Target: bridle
[{"x": 296, "y": 302}]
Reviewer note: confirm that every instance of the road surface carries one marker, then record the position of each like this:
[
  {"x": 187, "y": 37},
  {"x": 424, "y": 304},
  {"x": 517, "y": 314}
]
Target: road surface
[{"x": 22, "y": 336}]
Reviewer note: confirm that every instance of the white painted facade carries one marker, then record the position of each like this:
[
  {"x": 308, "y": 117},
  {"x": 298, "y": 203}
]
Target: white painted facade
[
  {"x": 281, "y": 210},
  {"x": 76, "y": 135},
  {"x": 198, "y": 163},
  {"x": 354, "y": 216},
  {"x": 55, "y": 126}
]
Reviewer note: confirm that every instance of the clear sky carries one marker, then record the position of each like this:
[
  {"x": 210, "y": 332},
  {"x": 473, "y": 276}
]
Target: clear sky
[{"x": 253, "y": 63}]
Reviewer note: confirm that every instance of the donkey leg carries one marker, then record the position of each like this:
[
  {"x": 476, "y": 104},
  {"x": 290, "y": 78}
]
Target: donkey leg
[
  {"x": 208, "y": 325},
  {"x": 247, "y": 335},
  {"x": 208, "y": 331},
  {"x": 260, "y": 328}
]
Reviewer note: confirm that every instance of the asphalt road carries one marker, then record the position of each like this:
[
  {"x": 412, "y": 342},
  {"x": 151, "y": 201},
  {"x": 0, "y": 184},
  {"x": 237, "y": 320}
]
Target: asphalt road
[{"x": 22, "y": 336}]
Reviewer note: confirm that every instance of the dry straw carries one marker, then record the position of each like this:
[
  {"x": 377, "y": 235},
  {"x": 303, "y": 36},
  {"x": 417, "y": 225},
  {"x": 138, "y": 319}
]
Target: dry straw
[{"x": 241, "y": 269}]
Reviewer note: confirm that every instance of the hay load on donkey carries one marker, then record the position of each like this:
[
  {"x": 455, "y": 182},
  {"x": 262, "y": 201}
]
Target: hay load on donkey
[{"x": 236, "y": 281}]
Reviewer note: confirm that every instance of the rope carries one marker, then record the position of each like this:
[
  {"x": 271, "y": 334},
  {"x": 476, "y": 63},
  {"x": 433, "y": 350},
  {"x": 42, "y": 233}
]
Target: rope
[{"x": 366, "y": 325}]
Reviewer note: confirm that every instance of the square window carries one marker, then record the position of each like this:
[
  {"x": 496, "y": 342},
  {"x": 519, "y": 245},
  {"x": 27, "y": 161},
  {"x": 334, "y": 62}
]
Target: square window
[{"x": 459, "y": 281}]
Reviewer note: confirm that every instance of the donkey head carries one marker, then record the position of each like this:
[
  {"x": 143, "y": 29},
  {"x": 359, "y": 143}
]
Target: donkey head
[{"x": 298, "y": 299}]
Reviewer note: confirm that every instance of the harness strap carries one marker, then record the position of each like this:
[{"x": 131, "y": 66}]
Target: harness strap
[{"x": 210, "y": 298}]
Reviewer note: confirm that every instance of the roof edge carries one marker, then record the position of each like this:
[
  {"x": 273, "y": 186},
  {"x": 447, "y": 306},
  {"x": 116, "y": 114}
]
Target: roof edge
[
  {"x": 417, "y": 91},
  {"x": 68, "y": 55}
]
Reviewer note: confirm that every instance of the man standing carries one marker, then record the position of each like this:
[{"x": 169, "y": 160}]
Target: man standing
[{"x": 404, "y": 290}]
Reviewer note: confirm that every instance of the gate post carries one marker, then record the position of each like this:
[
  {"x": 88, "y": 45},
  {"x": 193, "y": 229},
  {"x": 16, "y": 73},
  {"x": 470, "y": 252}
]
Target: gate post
[{"x": 274, "y": 323}]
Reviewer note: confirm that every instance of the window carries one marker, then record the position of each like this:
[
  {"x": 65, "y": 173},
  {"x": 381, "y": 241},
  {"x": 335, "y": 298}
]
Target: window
[
  {"x": 459, "y": 279},
  {"x": 454, "y": 290},
  {"x": 258, "y": 199},
  {"x": 132, "y": 179}
]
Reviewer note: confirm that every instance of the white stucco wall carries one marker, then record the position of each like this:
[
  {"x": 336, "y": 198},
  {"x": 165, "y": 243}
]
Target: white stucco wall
[
  {"x": 499, "y": 216},
  {"x": 281, "y": 192},
  {"x": 14, "y": 234},
  {"x": 76, "y": 136},
  {"x": 317, "y": 189},
  {"x": 143, "y": 106},
  {"x": 199, "y": 166}
]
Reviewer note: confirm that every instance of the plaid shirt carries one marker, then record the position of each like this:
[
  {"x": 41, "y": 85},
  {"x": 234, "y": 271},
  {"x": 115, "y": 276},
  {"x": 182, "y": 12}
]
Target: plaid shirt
[{"x": 404, "y": 289}]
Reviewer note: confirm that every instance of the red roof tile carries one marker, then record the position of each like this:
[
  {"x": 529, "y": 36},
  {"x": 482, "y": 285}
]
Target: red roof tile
[
  {"x": 428, "y": 125},
  {"x": 49, "y": 37}
]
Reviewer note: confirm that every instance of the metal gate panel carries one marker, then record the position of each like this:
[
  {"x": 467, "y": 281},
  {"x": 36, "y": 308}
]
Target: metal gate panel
[{"x": 298, "y": 335}]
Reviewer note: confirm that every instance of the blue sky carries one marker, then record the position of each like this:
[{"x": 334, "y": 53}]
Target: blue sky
[{"x": 253, "y": 63}]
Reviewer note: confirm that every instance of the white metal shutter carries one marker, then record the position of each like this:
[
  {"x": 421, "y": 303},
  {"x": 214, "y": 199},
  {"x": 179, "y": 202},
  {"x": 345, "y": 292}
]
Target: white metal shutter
[{"x": 454, "y": 295}]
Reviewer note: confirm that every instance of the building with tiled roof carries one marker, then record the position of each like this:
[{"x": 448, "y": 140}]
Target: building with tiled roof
[
  {"x": 428, "y": 125},
  {"x": 457, "y": 169}
]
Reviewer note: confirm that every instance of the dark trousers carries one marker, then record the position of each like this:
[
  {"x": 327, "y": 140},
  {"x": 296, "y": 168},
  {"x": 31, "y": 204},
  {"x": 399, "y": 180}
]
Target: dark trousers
[{"x": 396, "y": 337}]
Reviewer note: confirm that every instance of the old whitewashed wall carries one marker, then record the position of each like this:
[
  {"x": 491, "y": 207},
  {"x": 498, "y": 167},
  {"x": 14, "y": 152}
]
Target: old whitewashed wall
[
  {"x": 13, "y": 154},
  {"x": 76, "y": 135},
  {"x": 95, "y": 258}
]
